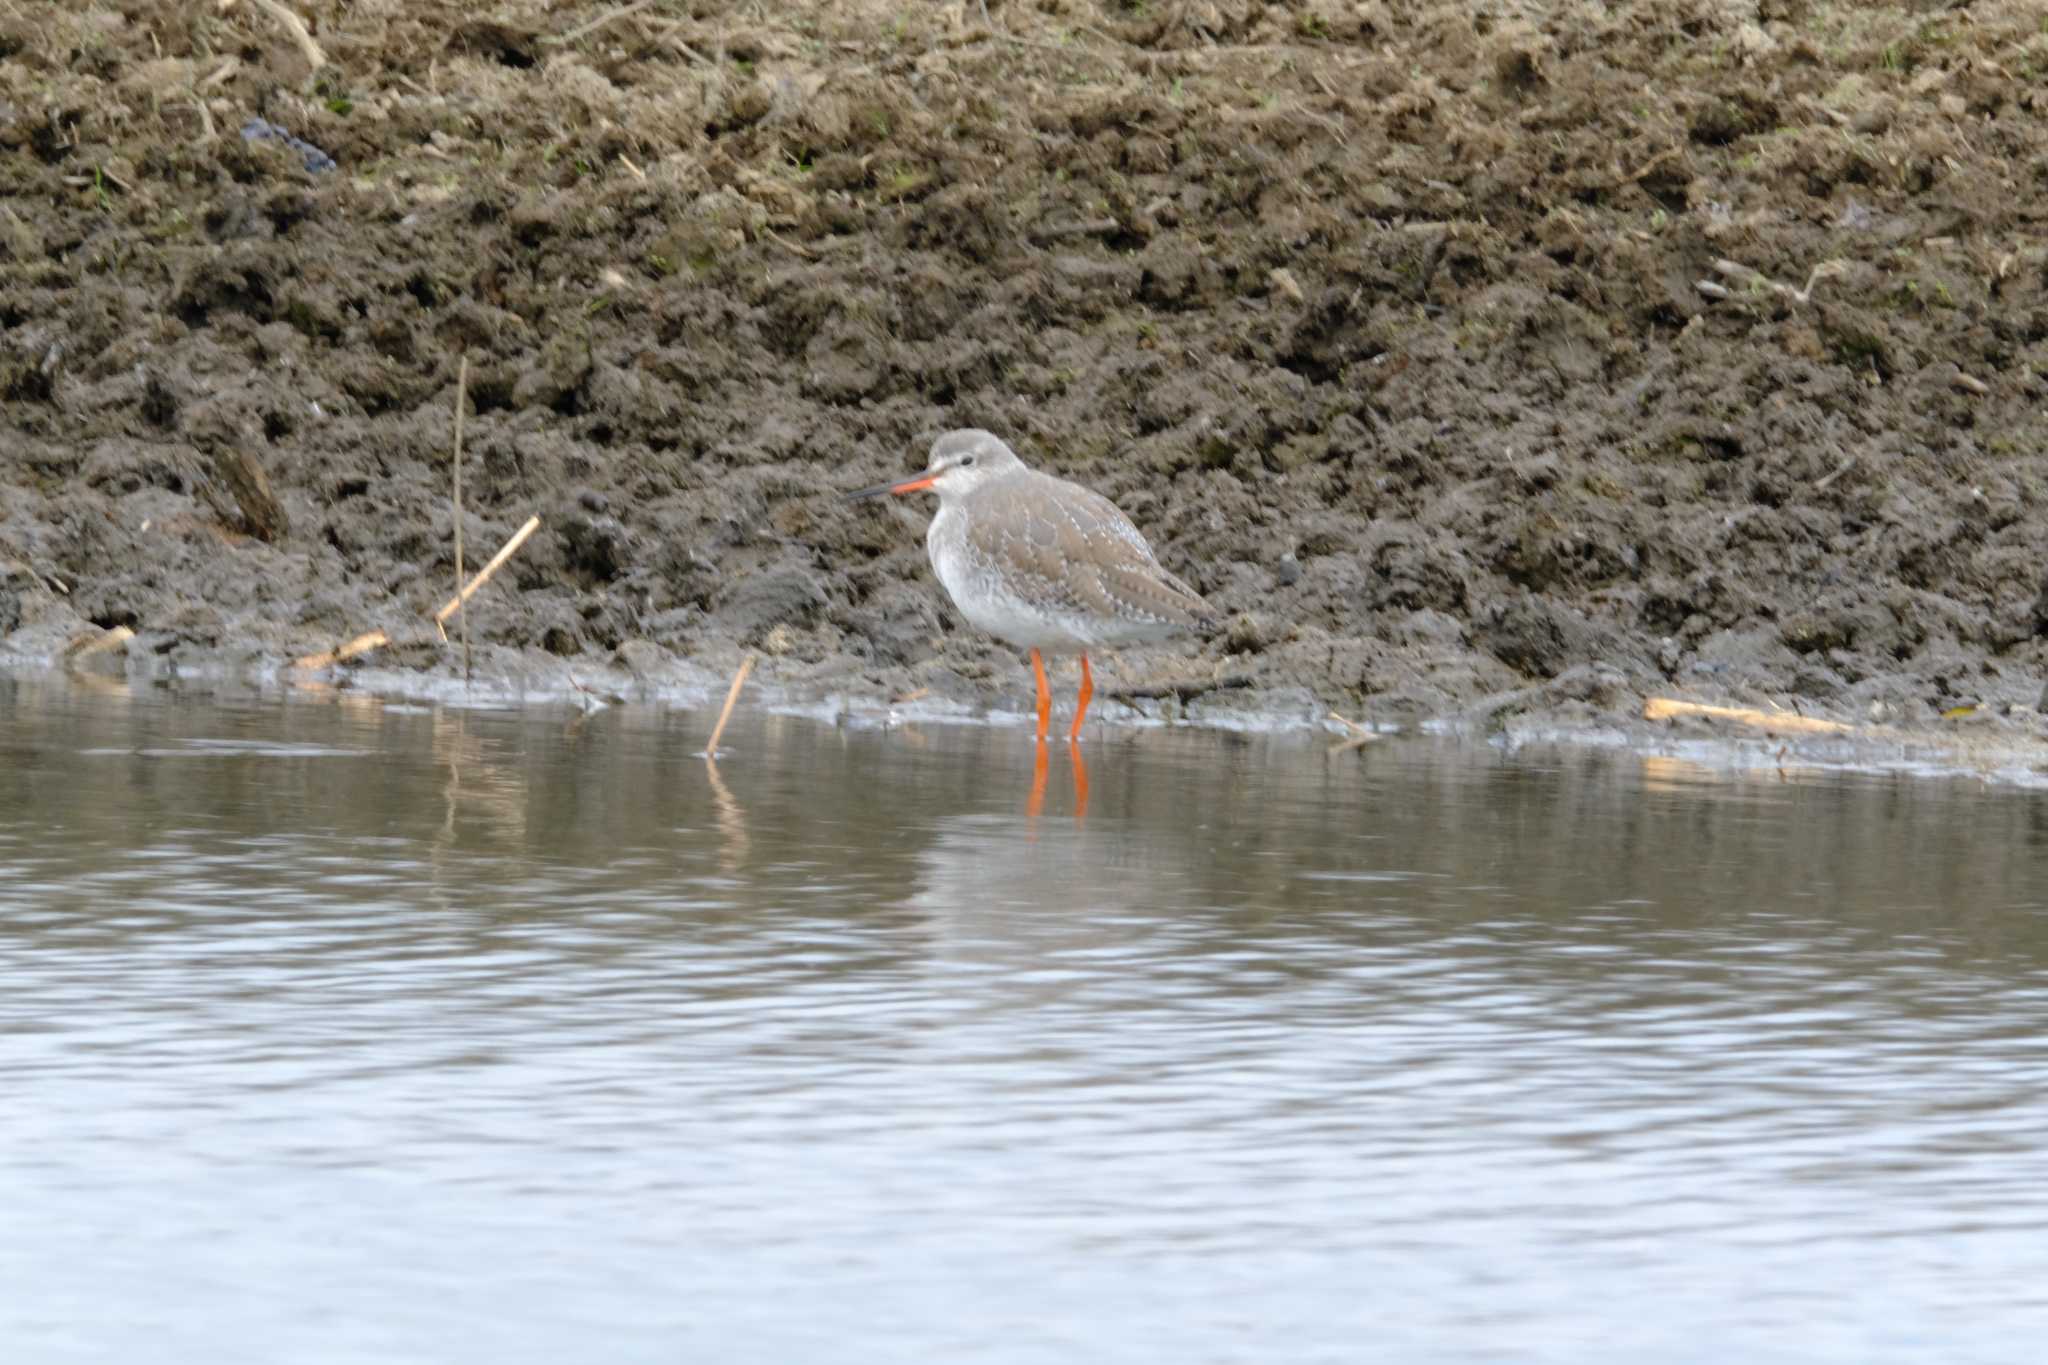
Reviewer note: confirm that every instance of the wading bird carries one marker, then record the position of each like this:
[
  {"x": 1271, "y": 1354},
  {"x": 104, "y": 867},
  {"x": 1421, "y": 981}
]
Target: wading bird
[{"x": 1041, "y": 563}]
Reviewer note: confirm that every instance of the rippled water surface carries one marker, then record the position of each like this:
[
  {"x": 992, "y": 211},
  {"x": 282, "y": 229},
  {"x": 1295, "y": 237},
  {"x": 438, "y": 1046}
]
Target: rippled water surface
[{"x": 335, "y": 1030}]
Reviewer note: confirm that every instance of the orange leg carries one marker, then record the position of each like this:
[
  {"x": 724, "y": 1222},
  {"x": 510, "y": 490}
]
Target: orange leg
[
  {"x": 1044, "y": 695},
  {"x": 1036, "y": 804},
  {"x": 1081, "y": 706}
]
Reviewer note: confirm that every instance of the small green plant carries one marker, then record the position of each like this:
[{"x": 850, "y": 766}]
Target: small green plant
[
  {"x": 904, "y": 181},
  {"x": 341, "y": 106}
]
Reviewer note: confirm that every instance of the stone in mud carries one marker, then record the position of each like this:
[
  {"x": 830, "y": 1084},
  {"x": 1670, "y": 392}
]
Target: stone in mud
[{"x": 310, "y": 157}]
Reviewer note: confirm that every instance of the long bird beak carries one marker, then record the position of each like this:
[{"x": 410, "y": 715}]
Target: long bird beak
[{"x": 924, "y": 480}]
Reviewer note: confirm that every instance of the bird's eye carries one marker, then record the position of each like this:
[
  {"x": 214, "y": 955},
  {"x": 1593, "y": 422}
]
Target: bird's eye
[{"x": 966, "y": 460}]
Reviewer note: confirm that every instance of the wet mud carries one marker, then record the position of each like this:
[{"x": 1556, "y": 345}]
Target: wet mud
[{"x": 1476, "y": 361}]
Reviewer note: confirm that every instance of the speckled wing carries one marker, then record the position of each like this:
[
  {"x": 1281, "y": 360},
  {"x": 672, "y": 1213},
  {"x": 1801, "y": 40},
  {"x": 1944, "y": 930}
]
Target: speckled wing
[{"x": 1069, "y": 552}]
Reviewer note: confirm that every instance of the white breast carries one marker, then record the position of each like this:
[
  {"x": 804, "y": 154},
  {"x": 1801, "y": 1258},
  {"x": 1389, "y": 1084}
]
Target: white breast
[{"x": 988, "y": 600}]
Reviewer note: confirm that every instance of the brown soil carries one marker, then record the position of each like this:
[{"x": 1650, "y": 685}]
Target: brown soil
[{"x": 1523, "y": 352}]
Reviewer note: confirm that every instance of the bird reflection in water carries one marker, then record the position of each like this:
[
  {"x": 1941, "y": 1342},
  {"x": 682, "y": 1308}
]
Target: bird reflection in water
[{"x": 1040, "y": 766}]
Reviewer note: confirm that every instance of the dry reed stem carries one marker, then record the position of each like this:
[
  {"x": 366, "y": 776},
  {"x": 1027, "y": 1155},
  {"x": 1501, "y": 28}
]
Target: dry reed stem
[
  {"x": 1670, "y": 708},
  {"x": 594, "y": 25},
  {"x": 1822, "y": 484},
  {"x": 732, "y": 696},
  {"x": 362, "y": 644},
  {"x": 483, "y": 575},
  {"x": 1360, "y": 735},
  {"x": 1736, "y": 270},
  {"x": 100, "y": 644},
  {"x": 461, "y": 401}
]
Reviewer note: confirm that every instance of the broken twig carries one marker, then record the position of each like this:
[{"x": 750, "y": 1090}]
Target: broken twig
[
  {"x": 1283, "y": 280},
  {"x": 1736, "y": 270},
  {"x": 483, "y": 575},
  {"x": 1822, "y": 484},
  {"x": 461, "y": 398},
  {"x": 1360, "y": 735},
  {"x": 594, "y": 25},
  {"x": 1670, "y": 708},
  {"x": 600, "y": 698},
  {"x": 732, "y": 696},
  {"x": 90, "y": 645},
  {"x": 362, "y": 644},
  {"x": 1652, "y": 164}
]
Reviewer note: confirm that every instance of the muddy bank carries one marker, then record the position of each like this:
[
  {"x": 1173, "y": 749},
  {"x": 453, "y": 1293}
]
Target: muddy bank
[{"x": 1476, "y": 362}]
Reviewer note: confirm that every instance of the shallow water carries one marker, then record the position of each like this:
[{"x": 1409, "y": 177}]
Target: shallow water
[{"x": 336, "y": 1030}]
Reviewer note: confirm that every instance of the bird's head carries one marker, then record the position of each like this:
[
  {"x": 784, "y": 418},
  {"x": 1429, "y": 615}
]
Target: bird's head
[{"x": 960, "y": 462}]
